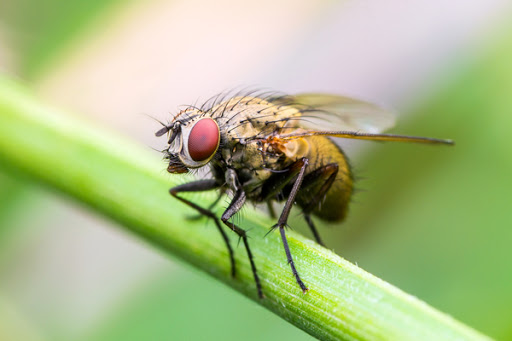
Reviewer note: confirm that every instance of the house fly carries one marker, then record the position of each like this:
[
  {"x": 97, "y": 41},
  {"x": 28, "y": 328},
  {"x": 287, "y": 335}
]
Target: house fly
[{"x": 271, "y": 148}]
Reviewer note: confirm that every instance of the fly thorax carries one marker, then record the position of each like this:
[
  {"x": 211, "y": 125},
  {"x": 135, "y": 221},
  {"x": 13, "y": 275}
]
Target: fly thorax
[{"x": 242, "y": 156}]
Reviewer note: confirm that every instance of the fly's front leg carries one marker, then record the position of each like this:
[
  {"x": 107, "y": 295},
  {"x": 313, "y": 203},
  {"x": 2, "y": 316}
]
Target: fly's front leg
[
  {"x": 198, "y": 186},
  {"x": 283, "y": 219},
  {"x": 210, "y": 207},
  {"x": 235, "y": 206}
]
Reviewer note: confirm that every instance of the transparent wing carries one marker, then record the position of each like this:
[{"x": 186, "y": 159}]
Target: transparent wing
[
  {"x": 332, "y": 112},
  {"x": 364, "y": 136}
]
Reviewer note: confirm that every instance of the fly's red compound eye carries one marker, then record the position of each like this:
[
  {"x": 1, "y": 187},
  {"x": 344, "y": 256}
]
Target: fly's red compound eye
[{"x": 203, "y": 140}]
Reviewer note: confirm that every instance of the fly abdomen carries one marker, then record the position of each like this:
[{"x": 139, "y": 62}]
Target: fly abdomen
[{"x": 328, "y": 185}]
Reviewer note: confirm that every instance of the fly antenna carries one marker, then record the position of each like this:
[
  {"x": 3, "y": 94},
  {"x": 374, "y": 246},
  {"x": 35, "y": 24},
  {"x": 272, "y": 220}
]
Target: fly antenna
[{"x": 163, "y": 131}]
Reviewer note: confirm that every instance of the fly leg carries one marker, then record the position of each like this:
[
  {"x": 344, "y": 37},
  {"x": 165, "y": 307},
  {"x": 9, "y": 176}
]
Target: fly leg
[
  {"x": 274, "y": 186},
  {"x": 312, "y": 227},
  {"x": 205, "y": 185},
  {"x": 210, "y": 207},
  {"x": 235, "y": 205},
  {"x": 271, "y": 210},
  {"x": 282, "y": 222},
  {"x": 327, "y": 174}
]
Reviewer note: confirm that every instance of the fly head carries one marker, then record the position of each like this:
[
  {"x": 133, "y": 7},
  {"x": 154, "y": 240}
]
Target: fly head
[{"x": 193, "y": 141}]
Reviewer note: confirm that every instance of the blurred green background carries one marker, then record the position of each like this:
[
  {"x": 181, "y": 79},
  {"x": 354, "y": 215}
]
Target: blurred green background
[{"x": 433, "y": 221}]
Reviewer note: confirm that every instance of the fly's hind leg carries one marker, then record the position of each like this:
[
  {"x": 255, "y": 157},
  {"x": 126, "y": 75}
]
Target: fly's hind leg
[
  {"x": 283, "y": 218},
  {"x": 327, "y": 175},
  {"x": 198, "y": 186}
]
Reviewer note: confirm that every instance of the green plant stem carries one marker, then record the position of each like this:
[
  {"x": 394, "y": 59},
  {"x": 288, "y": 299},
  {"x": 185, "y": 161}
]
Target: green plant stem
[{"x": 126, "y": 183}]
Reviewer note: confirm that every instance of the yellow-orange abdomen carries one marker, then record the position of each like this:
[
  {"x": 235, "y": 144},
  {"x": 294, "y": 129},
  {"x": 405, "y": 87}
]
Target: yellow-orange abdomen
[{"x": 333, "y": 206}]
